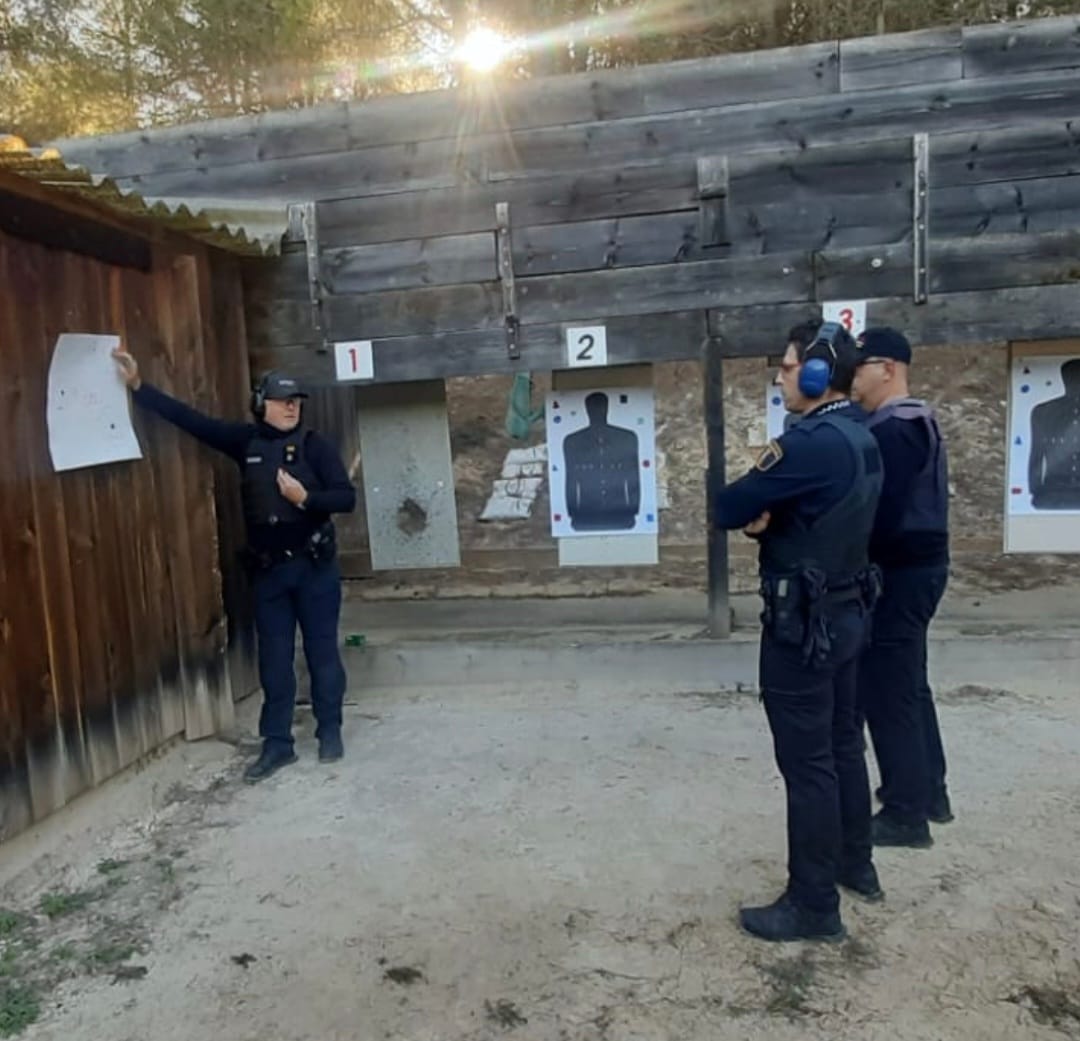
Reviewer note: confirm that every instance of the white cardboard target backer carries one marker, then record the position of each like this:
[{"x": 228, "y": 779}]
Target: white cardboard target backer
[{"x": 353, "y": 360}]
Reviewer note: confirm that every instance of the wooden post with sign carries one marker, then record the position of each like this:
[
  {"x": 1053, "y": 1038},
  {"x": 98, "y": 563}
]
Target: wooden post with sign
[{"x": 719, "y": 594}]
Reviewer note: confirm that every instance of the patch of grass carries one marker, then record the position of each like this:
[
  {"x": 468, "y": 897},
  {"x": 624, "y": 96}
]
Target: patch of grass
[
  {"x": 791, "y": 982},
  {"x": 111, "y": 867},
  {"x": 109, "y": 954},
  {"x": 9, "y": 963},
  {"x": 19, "y": 1007},
  {"x": 63, "y": 952},
  {"x": 57, "y": 904},
  {"x": 167, "y": 869},
  {"x": 12, "y": 922}
]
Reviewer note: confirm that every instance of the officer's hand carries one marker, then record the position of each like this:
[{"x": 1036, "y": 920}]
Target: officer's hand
[
  {"x": 756, "y": 527},
  {"x": 291, "y": 488},
  {"x": 129, "y": 368}
]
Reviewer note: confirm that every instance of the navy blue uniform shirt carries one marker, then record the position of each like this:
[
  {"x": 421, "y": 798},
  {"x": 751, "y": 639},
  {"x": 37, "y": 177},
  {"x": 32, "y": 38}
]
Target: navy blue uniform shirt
[
  {"x": 905, "y": 448},
  {"x": 335, "y": 493},
  {"x": 813, "y": 474}
]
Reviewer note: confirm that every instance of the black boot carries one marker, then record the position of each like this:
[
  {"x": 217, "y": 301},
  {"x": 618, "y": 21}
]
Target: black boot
[
  {"x": 884, "y": 831},
  {"x": 940, "y": 811},
  {"x": 785, "y": 921},
  {"x": 272, "y": 759},
  {"x": 330, "y": 748},
  {"x": 863, "y": 881}
]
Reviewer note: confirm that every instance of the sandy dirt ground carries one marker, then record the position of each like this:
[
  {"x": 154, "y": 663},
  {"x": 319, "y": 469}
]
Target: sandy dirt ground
[{"x": 545, "y": 864}]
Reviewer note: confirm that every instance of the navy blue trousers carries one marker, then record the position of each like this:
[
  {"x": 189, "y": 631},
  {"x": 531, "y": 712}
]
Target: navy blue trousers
[
  {"x": 307, "y": 593},
  {"x": 820, "y": 753},
  {"x": 895, "y": 695}
]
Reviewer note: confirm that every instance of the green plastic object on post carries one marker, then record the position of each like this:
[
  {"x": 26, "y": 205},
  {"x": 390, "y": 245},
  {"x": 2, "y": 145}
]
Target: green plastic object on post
[{"x": 520, "y": 415}]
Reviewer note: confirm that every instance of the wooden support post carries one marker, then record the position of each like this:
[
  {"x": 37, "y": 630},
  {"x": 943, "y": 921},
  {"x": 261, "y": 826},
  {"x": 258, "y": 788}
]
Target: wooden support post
[
  {"x": 719, "y": 598},
  {"x": 302, "y": 217},
  {"x": 921, "y": 219},
  {"x": 713, "y": 195},
  {"x": 505, "y": 253}
]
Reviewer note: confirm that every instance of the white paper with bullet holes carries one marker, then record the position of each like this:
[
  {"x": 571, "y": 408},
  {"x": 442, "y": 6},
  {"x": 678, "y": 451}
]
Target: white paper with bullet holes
[{"x": 87, "y": 411}]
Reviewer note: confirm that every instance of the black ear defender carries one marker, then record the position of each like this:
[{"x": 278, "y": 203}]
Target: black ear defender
[{"x": 258, "y": 396}]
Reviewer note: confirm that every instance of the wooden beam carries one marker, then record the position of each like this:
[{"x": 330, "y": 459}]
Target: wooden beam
[
  {"x": 971, "y": 105},
  {"x": 1042, "y": 149},
  {"x": 714, "y": 192},
  {"x": 900, "y": 59},
  {"x": 982, "y": 317},
  {"x": 631, "y": 340},
  {"x": 48, "y": 225},
  {"x": 1013, "y": 47},
  {"x": 471, "y": 111},
  {"x": 717, "y": 551}
]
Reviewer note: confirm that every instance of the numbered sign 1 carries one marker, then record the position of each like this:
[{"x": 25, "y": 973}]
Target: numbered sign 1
[
  {"x": 851, "y": 314},
  {"x": 354, "y": 361},
  {"x": 586, "y": 346}
]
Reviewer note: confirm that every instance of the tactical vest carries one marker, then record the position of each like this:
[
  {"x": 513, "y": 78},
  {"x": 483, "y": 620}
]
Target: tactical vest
[
  {"x": 927, "y": 506},
  {"x": 263, "y": 502},
  {"x": 836, "y": 543}
]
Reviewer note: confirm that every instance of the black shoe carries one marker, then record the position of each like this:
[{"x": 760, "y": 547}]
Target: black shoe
[
  {"x": 330, "y": 748},
  {"x": 864, "y": 881},
  {"x": 785, "y": 921},
  {"x": 940, "y": 811},
  {"x": 884, "y": 831},
  {"x": 271, "y": 760}
]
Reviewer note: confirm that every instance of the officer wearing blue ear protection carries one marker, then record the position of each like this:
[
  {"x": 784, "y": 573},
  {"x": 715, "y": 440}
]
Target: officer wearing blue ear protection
[
  {"x": 810, "y": 501},
  {"x": 293, "y": 479}
]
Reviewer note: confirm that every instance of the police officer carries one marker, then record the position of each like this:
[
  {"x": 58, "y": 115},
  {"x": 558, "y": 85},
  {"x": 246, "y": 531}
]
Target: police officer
[
  {"x": 293, "y": 480},
  {"x": 810, "y": 500},
  {"x": 910, "y": 543}
]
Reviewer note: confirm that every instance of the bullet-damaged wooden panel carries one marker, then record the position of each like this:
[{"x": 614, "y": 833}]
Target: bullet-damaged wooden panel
[{"x": 408, "y": 476}]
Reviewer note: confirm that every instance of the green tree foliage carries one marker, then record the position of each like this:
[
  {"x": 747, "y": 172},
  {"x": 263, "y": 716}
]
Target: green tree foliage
[{"x": 90, "y": 66}]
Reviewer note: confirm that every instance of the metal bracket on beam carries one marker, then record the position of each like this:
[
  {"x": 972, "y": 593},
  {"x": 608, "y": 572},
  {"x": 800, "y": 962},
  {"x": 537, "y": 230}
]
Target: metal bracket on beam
[
  {"x": 303, "y": 223},
  {"x": 505, "y": 253},
  {"x": 714, "y": 185},
  {"x": 921, "y": 219}
]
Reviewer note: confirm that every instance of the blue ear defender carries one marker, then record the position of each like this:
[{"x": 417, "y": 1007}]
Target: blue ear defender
[{"x": 817, "y": 372}]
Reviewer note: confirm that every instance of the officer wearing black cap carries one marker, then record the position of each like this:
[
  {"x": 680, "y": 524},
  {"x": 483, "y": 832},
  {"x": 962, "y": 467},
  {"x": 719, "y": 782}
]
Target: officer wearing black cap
[
  {"x": 293, "y": 480},
  {"x": 810, "y": 500},
  {"x": 910, "y": 543}
]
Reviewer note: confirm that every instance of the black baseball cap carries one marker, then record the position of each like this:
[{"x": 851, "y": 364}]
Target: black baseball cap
[
  {"x": 278, "y": 387},
  {"x": 883, "y": 342}
]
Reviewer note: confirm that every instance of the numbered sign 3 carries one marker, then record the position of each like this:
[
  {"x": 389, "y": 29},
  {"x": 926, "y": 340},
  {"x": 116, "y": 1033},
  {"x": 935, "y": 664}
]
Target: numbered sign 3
[
  {"x": 353, "y": 360},
  {"x": 851, "y": 314},
  {"x": 586, "y": 346}
]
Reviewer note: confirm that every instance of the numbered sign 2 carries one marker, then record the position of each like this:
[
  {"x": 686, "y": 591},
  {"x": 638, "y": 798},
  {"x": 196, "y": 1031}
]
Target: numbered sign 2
[
  {"x": 851, "y": 314},
  {"x": 353, "y": 360},
  {"x": 586, "y": 346}
]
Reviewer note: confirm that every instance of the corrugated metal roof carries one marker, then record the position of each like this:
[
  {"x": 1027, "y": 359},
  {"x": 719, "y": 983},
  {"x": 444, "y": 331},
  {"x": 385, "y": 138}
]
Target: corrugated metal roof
[{"x": 252, "y": 229}]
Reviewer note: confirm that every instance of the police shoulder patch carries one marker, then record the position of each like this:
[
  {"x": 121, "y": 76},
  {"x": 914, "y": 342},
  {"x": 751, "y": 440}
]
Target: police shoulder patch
[{"x": 771, "y": 454}]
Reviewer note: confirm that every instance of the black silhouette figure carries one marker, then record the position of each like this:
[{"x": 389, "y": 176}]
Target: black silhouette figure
[
  {"x": 603, "y": 486},
  {"x": 1054, "y": 462}
]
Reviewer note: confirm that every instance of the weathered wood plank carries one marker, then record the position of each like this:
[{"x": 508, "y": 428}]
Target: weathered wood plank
[
  {"x": 993, "y": 316},
  {"x": 1034, "y": 205},
  {"x": 474, "y": 110},
  {"x": 632, "y": 291},
  {"x": 543, "y": 348},
  {"x": 866, "y": 115},
  {"x": 956, "y": 265},
  {"x": 900, "y": 59},
  {"x": 1016, "y": 47},
  {"x": 666, "y": 287},
  {"x": 664, "y": 186},
  {"x": 982, "y": 104},
  {"x": 1042, "y": 150}
]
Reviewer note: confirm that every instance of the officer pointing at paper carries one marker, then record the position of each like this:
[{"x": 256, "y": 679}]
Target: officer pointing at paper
[
  {"x": 810, "y": 500},
  {"x": 293, "y": 480}
]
